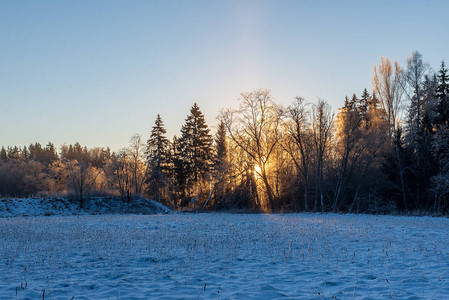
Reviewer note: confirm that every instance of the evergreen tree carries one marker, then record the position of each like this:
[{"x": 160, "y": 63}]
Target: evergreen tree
[
  {"x": 396, "y": 189},
  {"x": 430, "y": 101},
  {"x": 221, "y": 148},
  {"x": 413, "y": 81},
  {"x": 424, "y": 164},
  {"x": 105, "y": 156},
  {"x": 13, "y": 152},
  {"x": 157, "y": 152},
  {"x": 369, "y": 110},
  {"x": 349, "y": 146},
  {"x": 354, "y": 102},
  {"x": 363, "y": 106},
  {"x": 195, "y": 148},
  {"x": 3, "y": 155},
  {"x": 178, "y": 174},
  {"x": 75, "y": 152},
  {"x": 221, "y": 164},
  {"x": 50, "y": 153},
  {"x": 45, "y": 155},
  {"x": 442, "y": 93},
  {"x": 70, "y": 153}
]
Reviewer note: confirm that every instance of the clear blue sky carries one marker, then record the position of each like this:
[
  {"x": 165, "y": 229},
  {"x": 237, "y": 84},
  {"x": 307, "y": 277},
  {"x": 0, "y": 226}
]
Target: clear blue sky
[{"x": 98, "y": 72}]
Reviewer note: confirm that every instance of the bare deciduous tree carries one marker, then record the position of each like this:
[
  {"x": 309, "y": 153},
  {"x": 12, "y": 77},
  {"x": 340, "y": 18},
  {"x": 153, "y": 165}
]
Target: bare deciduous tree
[
  {"x": 414, "y": 77},
  {"x": 322, "y": 123},
  {"x": 254, "y": 127},
  {"x": 298, "y": 142},
  {"x": 80, "y": 176},
  {"x": 138, "y": 166},
  {"x": 387, "y": 82}
]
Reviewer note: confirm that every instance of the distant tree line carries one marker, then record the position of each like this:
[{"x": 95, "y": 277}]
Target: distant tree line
[{"x": 386, "y": 149}]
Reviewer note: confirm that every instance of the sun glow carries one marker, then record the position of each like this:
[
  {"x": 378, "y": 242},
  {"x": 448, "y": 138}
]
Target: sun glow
[{"x": 257, "y": 170}]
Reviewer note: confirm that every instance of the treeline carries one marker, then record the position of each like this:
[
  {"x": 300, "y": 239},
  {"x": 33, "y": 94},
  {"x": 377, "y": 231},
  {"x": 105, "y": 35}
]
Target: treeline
[{"x": 386, "y": 149}]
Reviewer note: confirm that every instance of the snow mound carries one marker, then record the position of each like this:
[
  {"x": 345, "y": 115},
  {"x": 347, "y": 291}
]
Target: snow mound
[{"x": 67, "y": 207}]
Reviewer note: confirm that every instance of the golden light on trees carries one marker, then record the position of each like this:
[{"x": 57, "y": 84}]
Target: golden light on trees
[{"x": 257, "y": 170}]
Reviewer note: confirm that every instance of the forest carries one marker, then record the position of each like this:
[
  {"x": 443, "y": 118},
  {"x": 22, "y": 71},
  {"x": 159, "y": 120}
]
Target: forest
[{"x": 385, "y": 150}]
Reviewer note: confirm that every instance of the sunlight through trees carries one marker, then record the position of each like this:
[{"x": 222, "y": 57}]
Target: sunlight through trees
[{"x": 383, "y": 150}]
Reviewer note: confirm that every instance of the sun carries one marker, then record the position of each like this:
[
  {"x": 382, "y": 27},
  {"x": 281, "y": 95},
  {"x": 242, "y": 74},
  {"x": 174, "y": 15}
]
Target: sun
[{"x": 257, "y": 170}]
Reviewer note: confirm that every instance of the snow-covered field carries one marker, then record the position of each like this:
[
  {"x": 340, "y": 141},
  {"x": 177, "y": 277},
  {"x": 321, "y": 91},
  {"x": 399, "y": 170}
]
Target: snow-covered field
[{"x": 221, "y": 256}]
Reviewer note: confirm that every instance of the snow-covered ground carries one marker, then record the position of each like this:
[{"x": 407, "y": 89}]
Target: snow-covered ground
[
  {"x": 67, "y": 207},
  {"x": 221, "y": 256}
]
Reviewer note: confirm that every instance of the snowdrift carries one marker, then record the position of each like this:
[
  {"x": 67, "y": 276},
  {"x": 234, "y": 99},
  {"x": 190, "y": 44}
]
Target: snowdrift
[{"x": 66, "y": 207}]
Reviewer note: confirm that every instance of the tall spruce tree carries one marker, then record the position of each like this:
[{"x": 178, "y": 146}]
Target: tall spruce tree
[
  {"x": 221, "y": 148},
  {"x": 442, "y": 93},
  {"x": 177, "y": 171},
  {"x": 195, "y": 149},
  {"x": 363, "y": 105},
  {"x": 3, "y": 155},
  {"x": 221, "y": 163},
  {"x": 158, "y": 153},
  {"x": 427, "y": 167},
  {"x": 25, "y": 153}
]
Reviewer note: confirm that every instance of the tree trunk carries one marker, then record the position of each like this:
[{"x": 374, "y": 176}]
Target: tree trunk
[{"x": 401, "y": 177}]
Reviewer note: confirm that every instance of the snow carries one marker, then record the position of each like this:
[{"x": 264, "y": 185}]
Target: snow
[
  {"x": 221, "y": 256},
  {"x": 66, "y": 207}
]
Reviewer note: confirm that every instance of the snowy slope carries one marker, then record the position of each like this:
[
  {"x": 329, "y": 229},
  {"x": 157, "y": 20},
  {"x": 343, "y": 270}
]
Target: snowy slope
[
  {"x": 66, "y": 207},
  {"x": 223, "y": 256}
]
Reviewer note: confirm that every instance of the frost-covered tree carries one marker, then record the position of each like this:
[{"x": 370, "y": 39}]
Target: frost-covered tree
[
  {"x": 419, "y": 90},
  {"x": 119, "y": 169},
  {"x": 21, "y": 178},
  {"x": 387, "y": 82},
  {"x": 440, "y": 182},
  {"x": 45, "y": 155},
  {"x": 13, "y": 152},
  {"x": 139, "y": 168},
  {"x": 79, "y": 176},
  {"x": 442, "y": 93},
  {"x": 414, "y": 77},
  {"x": 388, "y": 86}
]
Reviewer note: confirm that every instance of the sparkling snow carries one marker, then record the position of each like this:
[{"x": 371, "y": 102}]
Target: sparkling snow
[{"x": 221, "y": 256}]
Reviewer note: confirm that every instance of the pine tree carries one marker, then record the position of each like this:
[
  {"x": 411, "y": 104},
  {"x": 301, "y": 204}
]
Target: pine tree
[
  {"x": 50, "y": 153},
  {"x": 348, "y": 135},
  {"x": 25, "y": 153},
  {"x": 363, "y": 106},
  {"x": 221, "y": 164},
  {"x": 178, "y": 174},
  {"x": 157, "y": 152},
  {"x": 369, "y": 109},
  {"x": 3, "y": 155},
  {"x": 221, "y": 148},
  {"x": 442, "y": 93},
  {"x": 430, "y": 99},
  {"x": 354, "y": 102},
  {"x": 13, "y": 152},
  {"x": 439, "y": 138},
  {"x": 195, "y": 147},
  {"x": 376, "y": 117}
]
